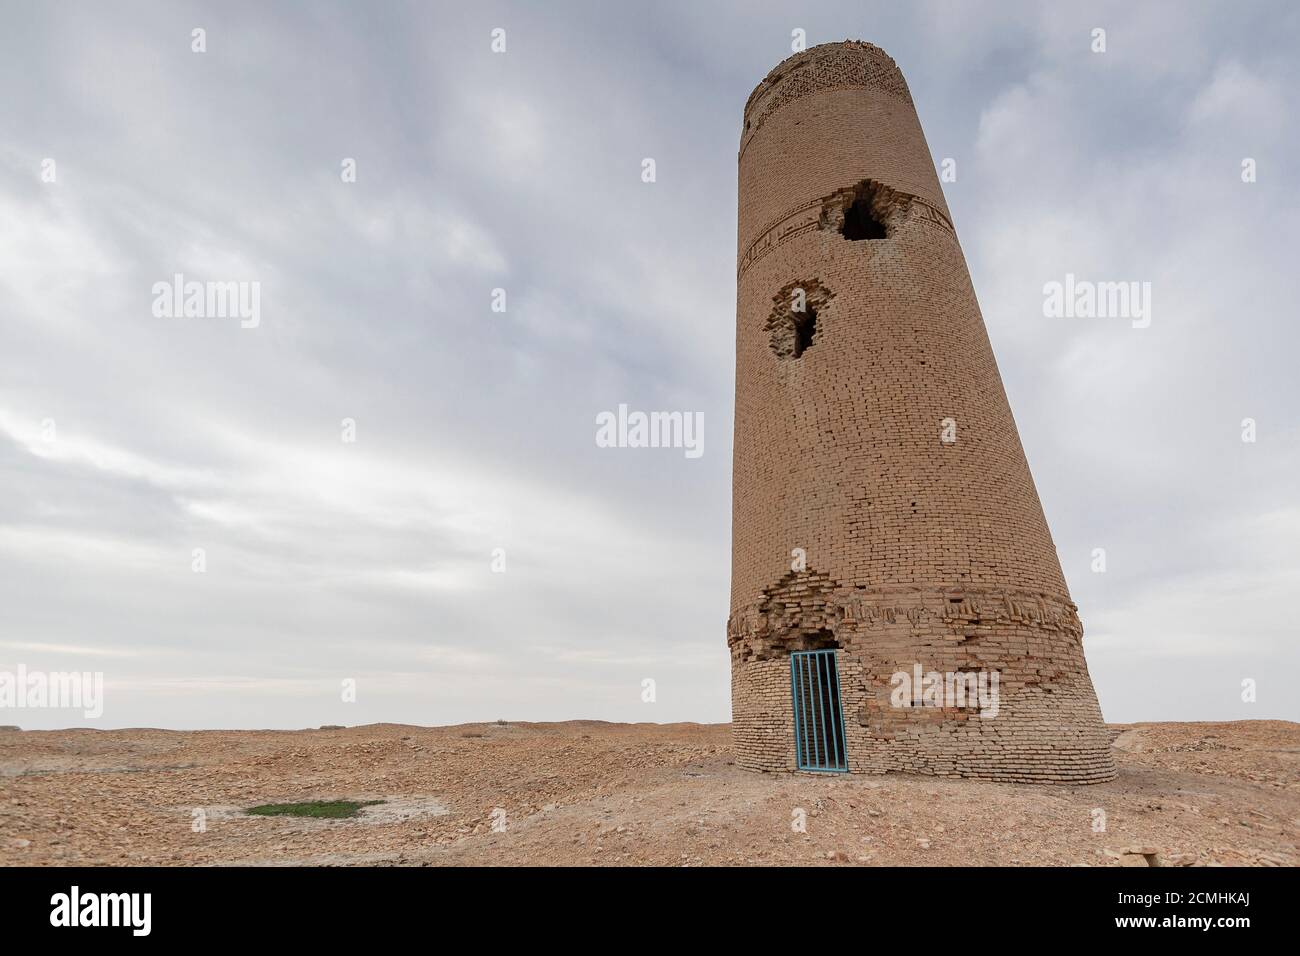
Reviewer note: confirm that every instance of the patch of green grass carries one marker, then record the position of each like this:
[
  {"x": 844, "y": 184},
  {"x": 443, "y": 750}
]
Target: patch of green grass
[{"x": 323, "y": 809}]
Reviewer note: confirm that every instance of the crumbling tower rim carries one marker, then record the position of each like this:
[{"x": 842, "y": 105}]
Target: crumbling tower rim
[{"x": 847, "y": 63}]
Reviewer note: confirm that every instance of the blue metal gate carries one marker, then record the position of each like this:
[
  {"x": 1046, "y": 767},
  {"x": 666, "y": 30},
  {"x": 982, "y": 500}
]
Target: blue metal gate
[{"x": 818, "y": 718}]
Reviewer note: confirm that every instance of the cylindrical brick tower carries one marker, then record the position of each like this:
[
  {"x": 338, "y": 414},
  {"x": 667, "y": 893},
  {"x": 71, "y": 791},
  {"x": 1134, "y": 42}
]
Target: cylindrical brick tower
[{"x": 896, "y": 599}]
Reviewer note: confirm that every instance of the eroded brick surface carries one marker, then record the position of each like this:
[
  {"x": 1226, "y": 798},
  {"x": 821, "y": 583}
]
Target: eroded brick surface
[{"x": 918, "y": 551}]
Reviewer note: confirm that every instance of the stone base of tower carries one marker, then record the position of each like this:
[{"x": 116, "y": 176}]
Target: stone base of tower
[{"x": 990, "y": 685}]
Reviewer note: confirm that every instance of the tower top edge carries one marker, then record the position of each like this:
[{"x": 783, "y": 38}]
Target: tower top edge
[{"x": 842, "y": 63}]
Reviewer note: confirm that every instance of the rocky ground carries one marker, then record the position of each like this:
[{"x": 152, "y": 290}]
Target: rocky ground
[{"x": 586, "y": 792}]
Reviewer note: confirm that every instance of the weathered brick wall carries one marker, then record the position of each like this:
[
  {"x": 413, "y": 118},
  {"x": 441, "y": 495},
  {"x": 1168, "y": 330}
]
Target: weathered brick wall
[{"x": 918, "y": 551}]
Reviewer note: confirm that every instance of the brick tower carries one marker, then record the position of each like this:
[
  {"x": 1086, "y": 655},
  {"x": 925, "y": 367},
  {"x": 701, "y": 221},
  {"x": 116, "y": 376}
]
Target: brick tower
[{"x": 885, "y": 524}]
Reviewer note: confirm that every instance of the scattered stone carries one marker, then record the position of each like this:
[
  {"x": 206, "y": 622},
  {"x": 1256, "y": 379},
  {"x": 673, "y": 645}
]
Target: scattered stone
[{"x": 1148, "y": 855}]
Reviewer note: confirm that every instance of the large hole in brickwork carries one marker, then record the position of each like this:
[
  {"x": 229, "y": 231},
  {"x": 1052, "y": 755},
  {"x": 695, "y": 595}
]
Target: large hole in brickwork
[
  {"x": 861, "y": 223},
  {"x": 867, "y": 211}
]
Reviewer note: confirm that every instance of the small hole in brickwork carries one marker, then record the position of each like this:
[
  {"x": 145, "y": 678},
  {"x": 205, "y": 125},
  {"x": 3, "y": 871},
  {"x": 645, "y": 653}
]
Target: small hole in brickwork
[
  {"x": 792, "y": 323},
  {"x": 819, "y": 640},
  {"x": 805, "y": 327}
]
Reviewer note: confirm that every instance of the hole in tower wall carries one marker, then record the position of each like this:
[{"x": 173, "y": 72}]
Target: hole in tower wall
[
  {"x": 805, "y": 328},
  {"x": 822, "y": 639},
  {"x": 866, "y": 211},
  {"x": 794, "y": 324},
  {"x": 860, "y": 222}
]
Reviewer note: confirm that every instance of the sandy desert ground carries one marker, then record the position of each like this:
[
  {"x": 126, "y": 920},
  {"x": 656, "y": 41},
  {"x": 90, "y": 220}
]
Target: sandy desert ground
[{"x": 586, "y": 792}]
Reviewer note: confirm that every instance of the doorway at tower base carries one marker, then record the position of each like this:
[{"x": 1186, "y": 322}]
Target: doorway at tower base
[{"x": 1012, "y": 700}]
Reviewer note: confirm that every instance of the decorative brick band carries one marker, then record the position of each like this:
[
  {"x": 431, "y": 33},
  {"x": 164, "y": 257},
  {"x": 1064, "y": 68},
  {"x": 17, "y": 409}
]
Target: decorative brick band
[
  {"x": 813, "y": 216},
  {"x": 829, "y": 66},
  {"x": 818, "y": 605}
]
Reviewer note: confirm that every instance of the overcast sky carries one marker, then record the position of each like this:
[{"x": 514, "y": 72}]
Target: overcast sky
[{"x": 129, "y": 440}]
